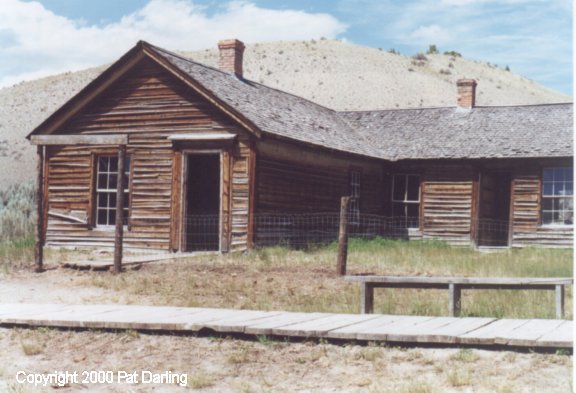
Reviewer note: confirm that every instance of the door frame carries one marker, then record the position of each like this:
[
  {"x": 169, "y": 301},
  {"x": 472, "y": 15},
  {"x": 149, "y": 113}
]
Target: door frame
[
  {"x": 481, "y": 175},
  {"x": 184, "y": 193}
]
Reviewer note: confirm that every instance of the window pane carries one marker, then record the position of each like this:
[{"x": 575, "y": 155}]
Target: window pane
[
  {"x": 548, "y": 174},
  {"x": 127, "y": 165},
  {"x": 102, "y": 164},
  {"x": 546, "y": 203},
  {"x": 548, "y": 189},
  {"x": 102, "y": 181},
  {"x": 399, "y": 187},
  {"x": 398, "y": 210},
  {"x": 112, "y": 180},
  {"x": 568, "y": 188},
  {"x": 112, "y": 217},
  {"x": 111, "y": 200},
  {"x": 413, "y": 188},
  {"x": 546, "y": 217},
  {"x": 102, "y": 200},
  {"x": 558, "y": 174},
  {"x": 101, "y": 220},
  {"x": 569, "y": 175},
  {"x": 126, "y": 201},
  {"x": 413, "y": 213},
  {"x": 113, "y": 164}
]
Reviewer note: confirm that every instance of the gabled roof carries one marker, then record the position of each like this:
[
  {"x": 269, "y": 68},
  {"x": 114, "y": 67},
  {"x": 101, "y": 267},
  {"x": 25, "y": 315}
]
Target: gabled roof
[
  {"x": 431, "y": 133},
  {"x": 273, "y": 111},
  {"x": 481, "y": 132}
]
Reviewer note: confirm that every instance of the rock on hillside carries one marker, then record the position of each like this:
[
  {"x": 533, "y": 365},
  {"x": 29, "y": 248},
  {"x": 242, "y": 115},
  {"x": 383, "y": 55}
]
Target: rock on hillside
[{"x": 332, "y": 73}]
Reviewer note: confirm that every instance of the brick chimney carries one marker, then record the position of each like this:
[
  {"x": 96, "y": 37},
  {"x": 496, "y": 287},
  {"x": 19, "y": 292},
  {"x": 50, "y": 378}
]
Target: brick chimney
[
  {"x": 466, "y": 93},
  {"x": 231, "y": 54}
]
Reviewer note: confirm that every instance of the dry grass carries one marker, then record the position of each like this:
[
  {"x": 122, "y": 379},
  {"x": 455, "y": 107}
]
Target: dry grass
[{"x": 293, "y": 280}]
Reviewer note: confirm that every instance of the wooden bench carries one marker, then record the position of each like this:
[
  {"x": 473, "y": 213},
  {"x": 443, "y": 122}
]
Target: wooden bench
[{"x": 455, "y": 285}]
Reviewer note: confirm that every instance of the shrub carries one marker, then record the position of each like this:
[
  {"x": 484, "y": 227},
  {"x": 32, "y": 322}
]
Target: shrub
[
  {"x": 432, "y": 50},
  {"x": 420, "y": 57},
  {"x": 453, "y": 53},
  {"x": 17, "y": 215}
]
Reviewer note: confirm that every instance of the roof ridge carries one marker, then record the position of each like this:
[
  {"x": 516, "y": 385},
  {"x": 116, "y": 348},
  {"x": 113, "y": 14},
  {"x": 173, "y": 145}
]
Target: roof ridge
[{"x": 454, "y": 107}]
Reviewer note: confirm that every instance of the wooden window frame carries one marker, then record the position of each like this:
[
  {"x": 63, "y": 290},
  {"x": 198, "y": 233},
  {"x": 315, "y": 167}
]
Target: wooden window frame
[
  {"x": 553, "y": 197},
  {"x": 405, "y": 201},
  {"x": 95, "y": 194}
]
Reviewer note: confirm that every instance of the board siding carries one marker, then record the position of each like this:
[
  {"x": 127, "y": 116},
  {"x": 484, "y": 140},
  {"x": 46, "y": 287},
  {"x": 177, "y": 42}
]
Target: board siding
[
  {"x": 447, "y": 199},
  {"x": 146, "y": 104},
  {"x": 526, "y": 201}
]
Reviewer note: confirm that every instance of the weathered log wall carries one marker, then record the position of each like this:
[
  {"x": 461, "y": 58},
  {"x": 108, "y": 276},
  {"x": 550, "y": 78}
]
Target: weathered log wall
[
  {"x": 298, "y": 180},
  {"x": 147, "y": 105},
  {"x": 447, "y": 203}
]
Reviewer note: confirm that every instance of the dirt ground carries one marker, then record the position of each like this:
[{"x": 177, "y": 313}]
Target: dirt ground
[{"x": 216, "y": 364}]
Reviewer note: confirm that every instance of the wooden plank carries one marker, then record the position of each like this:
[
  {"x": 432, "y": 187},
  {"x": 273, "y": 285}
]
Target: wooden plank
[
  {"x": 529, "y": 333},
  {"x": 418, "y": 332},
  {"x": 283, "y": 320},
  {"x": 65, "y": 140},
  {"x": 449, "y": 333},
  {"x": 381, "y": 332},
  {"x": 561, "y": 337},
  {"x": 487, "y": 335},
  {"x": 238, "y": 323},
  {"x": 536, "y": 281},
  {"x": 320, "y": 327},
  {"x": 351, "y": 332}
]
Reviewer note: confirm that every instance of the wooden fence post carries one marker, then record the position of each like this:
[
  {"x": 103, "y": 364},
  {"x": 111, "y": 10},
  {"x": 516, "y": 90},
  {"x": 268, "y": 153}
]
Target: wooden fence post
[
  {"x": 343, "y": 237},
  {"x": 39, "y": 235},
  {"x": 119, "y": 211}
]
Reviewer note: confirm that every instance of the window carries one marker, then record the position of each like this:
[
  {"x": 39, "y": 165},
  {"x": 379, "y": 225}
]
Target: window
[
  {"x": 106, "y": 182},
  {"x": 406, "y": 200},
  {"x": 354, "y": 207},
  {"x": 557, "y": 196}
]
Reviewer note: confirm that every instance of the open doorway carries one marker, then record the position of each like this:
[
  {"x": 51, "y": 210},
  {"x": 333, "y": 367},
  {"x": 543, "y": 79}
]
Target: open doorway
[
  {"x": 202, "y": 202},
  {"x": 494, "y": 209}
]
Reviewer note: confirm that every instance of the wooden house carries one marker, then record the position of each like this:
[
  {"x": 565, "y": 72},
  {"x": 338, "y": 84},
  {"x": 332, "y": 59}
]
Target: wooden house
[{"x": 209, "y": 156}]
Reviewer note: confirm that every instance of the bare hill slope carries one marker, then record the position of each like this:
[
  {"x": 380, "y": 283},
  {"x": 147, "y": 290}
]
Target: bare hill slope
[{"x": 338, "y": 75}]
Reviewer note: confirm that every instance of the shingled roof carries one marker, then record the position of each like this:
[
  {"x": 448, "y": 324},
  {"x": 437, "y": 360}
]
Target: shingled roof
[
  {"x": 428, "y": 133},
  {"x": 274, "y": 111},
  {"x": 480, "y": 132}
]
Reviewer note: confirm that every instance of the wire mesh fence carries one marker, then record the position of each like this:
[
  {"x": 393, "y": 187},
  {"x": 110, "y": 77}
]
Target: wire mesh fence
[
  {"x": 301, "y": 231},
  {"x": 203, "y": 232}
]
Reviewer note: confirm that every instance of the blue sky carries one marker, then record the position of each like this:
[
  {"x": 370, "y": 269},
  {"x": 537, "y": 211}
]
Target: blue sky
[{"x": 43, "y": 37}]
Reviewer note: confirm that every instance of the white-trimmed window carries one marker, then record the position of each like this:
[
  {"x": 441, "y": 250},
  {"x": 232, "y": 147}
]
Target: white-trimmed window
[
  {"x": 106, "y": 183},
  {"x": 406, "y": 200},
  {"x": 354, "y": 206},
  {"x": 557, "y": 196}
]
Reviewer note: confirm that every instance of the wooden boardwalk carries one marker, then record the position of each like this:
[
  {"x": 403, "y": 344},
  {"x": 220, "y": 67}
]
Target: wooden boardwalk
[{"x": 533, "y": 333}]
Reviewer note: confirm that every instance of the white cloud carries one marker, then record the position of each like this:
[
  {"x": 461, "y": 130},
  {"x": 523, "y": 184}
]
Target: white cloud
[
  {"x": 35, "y": 42},
  {"x": 533, "y": 37},
  {"x": 433, "y": 34}
]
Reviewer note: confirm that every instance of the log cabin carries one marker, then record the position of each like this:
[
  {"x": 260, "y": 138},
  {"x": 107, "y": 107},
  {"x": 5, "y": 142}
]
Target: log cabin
[{"x": 188, "y": 157}]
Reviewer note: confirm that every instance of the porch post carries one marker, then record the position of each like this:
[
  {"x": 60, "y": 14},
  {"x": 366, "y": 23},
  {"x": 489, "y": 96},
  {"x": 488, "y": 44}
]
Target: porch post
[
  {"x": 119, "y": 211},
  {"x": 39, "y": 235}
]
